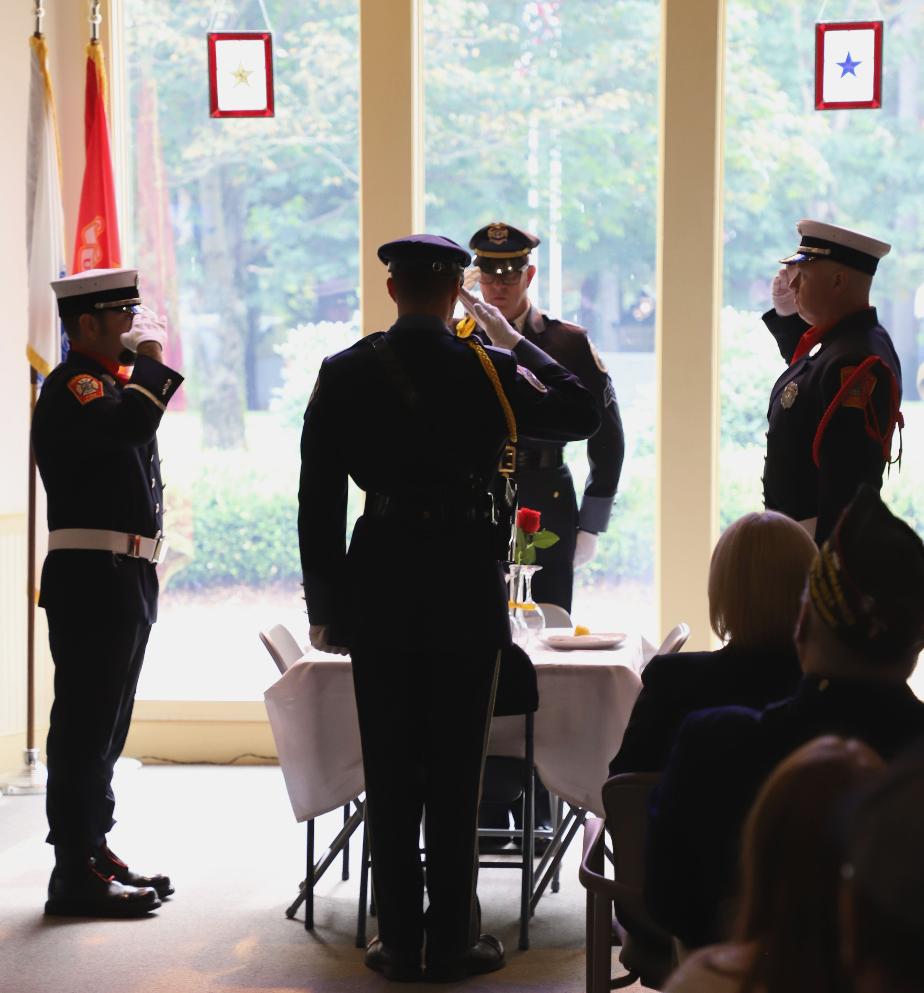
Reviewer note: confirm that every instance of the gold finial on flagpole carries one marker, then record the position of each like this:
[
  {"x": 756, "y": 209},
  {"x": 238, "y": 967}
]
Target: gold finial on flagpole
[
  {"x": 96, "y": 18},
  {"x": 39, "y": 13}
]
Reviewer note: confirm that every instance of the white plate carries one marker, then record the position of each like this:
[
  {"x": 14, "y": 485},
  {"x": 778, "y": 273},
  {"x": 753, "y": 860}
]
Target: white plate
[{"x": 568, "y": 642}]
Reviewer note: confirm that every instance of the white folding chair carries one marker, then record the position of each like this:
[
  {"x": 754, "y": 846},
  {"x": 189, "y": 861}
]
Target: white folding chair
[
  {"x": 285, "y": 652},
  {"x": 555, "y": 616},
  {"x": 282, "y": 646},
  {"x": 675, "y": 640}
]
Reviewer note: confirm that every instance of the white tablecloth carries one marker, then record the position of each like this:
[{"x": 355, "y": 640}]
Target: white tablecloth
[{"x": 585, "y": 698}]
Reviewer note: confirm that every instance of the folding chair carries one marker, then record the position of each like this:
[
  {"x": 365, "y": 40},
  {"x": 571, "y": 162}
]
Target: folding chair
[
  {"x": 518, "y": 693},
  {"x": 674, "y": 640},
  {"x": 285, "y": 652},
  {"x": 555, "y": 616},
  {"x": 647, "y": 952}
]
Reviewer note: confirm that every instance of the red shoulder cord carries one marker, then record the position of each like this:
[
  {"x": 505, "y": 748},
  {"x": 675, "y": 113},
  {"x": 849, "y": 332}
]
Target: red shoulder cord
[{"x": 882, "y": 437}]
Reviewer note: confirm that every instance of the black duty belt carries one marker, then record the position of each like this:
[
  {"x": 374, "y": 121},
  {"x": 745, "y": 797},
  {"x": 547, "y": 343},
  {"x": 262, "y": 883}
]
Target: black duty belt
[
  {"x": 540, "y": 458},
  {"x": 424, "y": 509}
]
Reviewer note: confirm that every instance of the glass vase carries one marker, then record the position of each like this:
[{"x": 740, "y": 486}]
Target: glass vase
[{"x": 527, "y": 621}]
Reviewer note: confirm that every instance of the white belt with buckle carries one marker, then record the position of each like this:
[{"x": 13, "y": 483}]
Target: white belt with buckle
[{"x": 96, "y": 540}]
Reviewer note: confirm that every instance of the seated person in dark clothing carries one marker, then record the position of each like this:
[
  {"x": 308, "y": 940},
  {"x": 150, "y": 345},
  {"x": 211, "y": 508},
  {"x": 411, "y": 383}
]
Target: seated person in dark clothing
[
  {"x": 882, "y": 909},
  {"x": 858, "y": 638},
  {"x": 756, "y": 578}
]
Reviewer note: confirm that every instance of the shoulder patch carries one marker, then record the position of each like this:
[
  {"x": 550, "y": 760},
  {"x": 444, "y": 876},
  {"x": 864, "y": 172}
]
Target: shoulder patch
[
  {"x": 532, "y": 379},
  {"x": 85, "y": 387},
  {"x": 597, "y": 360},
  {"x": 859, "y": 393}
]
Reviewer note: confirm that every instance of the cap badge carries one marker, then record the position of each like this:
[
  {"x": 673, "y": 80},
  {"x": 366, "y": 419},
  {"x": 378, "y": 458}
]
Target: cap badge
[
  {"x": 498, "y": 234},
  {"x": 790, "y": 392}
]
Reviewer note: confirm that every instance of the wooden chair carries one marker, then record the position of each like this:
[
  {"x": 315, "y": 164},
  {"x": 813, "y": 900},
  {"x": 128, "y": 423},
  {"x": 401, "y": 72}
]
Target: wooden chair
[{"x": 647, "y": 951}]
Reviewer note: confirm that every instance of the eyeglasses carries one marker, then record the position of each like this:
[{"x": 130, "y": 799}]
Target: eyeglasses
[
  {"x": 508, "y": 278},
  {"x": 119, "y": 308}
]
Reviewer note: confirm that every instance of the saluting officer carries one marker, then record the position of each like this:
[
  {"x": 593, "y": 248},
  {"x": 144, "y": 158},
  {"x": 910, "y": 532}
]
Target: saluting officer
[
  {"x": 93, "y": 433},
  {"x": 502, "y": 257},
  {"x": 418, "y": 419},
  {"x": 834, "y": 411}
]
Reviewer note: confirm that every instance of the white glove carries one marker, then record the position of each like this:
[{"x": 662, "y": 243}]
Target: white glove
[
  {"x": 585, "y": 548},
  {"x": 471, "y": 277},
  {"x": 317, "y": 635},
  {"x": 784, "y": 300},
  {"x": 496, "y": 326},
  {"x": 146, "y": 326}
]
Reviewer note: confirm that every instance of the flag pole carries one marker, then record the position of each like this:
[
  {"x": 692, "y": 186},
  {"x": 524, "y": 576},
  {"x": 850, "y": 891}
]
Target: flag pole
[
  {"x": 33, "y": 775},
  {"x": 96, "y": 18}
]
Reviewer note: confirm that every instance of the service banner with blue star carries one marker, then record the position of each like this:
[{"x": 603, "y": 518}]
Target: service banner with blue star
[
  {"x": 241, "y": 74},
  {"x": 848, "y": 65}
]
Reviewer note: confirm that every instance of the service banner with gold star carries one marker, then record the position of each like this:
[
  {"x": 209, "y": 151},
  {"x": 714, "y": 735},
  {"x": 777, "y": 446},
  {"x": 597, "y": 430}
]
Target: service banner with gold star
[
  {"x": 848, "y": 65},
  {"x": 241, "y": 74}
]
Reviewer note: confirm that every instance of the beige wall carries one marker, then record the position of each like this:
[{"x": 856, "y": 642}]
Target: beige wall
[
  {"x": 14, "y": 397},
  {"x": 66, "y": 30}
]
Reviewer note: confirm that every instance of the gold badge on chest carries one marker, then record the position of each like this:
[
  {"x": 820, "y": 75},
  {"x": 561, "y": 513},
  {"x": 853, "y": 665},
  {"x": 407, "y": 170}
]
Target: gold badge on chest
[{"x": 790, "y": 392}]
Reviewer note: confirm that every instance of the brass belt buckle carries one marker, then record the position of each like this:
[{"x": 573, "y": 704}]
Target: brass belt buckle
[
  {"x": 508, "y": 461},
  {"x": 160, "y": 544}
]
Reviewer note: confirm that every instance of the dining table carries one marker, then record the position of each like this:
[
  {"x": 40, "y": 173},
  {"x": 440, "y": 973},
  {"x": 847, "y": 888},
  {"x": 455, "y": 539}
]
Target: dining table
[{"x": 585, "y": 699}]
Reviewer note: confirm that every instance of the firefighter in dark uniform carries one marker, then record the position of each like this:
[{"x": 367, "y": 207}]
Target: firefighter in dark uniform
[
  {"x": 93, "y": 433},
  {"x": 418, "y": 419},
  {"x": 502, "y": 258},
  {"x": 834, "y": 411}
]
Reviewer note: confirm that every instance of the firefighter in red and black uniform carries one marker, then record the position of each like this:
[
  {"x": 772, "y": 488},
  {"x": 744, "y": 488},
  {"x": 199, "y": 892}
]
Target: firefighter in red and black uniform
[
  {"x": 833, "y": 412},
  {"x": 95, "y": 442}
]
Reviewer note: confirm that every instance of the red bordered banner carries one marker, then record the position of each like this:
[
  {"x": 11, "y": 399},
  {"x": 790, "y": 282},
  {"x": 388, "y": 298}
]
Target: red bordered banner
[
  {"x": 241, "y": 74},
  {"x": 848, "y": 65}
]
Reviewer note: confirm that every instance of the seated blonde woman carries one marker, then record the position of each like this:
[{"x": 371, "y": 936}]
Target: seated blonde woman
[
  {"x": 787, "y": 931},
  {"x": 756, "y": 577}
]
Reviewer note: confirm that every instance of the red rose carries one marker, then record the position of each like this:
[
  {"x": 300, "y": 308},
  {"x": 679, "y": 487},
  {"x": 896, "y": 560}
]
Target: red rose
[{"x": 528, "y": 520}]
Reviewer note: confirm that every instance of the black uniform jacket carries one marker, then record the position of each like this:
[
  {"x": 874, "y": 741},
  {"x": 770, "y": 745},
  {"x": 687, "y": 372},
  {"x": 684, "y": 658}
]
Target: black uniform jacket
[
  {"x": 673, "y": 686},
  {"x": 826, "y": 436},
  {"x": 403, "y": 584},
  {"x": 569, "y": 345},
  {"x": 96, "y": 448},
  {"x": 719, "y": 761}
]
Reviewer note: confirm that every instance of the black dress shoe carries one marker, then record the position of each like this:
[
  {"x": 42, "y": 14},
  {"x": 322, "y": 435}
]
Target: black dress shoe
[
  {"x": 91, "y": 894},
  {"x": 384, "y": 960},
  {"x": 485, "y": 956},
  {"x": 109, "y": 864}
]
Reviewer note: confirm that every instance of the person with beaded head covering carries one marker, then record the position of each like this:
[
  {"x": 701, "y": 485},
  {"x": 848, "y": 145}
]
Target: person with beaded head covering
[
  {"x": 857, "y": 637},
  {"x": 867, "y": 584}
]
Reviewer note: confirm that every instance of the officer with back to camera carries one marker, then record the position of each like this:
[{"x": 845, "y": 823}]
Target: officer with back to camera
[
  {"x": 94, "y": 437},
  {"x": 418, "y": 419},
  {"x": 834, "y": 411}
]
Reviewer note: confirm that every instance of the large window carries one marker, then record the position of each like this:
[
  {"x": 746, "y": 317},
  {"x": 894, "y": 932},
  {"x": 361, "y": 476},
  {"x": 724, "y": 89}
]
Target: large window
[
  {"x": 785, "y": 161},
  {"x": 246, "y": 233},
  {"x": 544, "y": 115}
]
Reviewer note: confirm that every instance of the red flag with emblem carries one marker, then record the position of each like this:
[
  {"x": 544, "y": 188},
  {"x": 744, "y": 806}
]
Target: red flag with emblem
[{"x": 97, "y": 242}]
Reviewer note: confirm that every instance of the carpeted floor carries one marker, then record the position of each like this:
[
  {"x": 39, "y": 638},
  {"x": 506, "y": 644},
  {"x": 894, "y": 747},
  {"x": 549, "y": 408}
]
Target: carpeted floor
[{"x": 228, "y": 839}]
